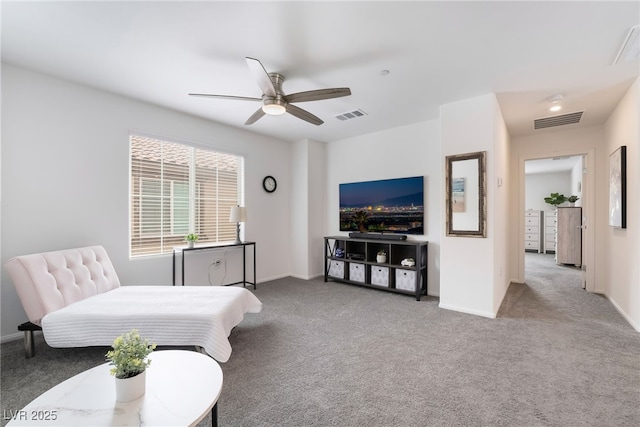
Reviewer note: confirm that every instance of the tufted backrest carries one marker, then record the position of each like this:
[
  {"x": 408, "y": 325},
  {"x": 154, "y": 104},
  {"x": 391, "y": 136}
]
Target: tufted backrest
[{"x": 48, "y": 281}]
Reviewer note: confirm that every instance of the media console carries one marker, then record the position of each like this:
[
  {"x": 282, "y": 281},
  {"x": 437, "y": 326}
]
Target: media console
[{"x": 354, "y": 260}]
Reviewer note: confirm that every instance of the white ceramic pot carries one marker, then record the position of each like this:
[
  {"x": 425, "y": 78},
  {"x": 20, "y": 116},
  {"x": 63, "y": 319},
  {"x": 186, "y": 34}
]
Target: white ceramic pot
[
  {"x": 381, "y": 258},
  {"x": 190, "y": 243},
  {"x": 128, "y": 389}
]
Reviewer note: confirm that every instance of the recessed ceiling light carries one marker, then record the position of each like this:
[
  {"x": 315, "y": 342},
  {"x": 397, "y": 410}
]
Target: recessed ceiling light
[{"x": 555, "y": 102}]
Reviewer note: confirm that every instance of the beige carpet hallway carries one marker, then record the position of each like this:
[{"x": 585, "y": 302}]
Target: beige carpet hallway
[{"x": 331, "y": 354}]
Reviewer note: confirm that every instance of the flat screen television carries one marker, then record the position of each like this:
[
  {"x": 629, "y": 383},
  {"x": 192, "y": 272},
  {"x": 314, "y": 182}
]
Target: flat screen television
[{"x": 384, "y": 206}]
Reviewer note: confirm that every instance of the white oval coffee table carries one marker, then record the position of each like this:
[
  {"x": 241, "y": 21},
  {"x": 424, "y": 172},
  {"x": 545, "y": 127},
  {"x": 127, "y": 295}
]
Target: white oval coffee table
[{"x": 182, "y": 387}]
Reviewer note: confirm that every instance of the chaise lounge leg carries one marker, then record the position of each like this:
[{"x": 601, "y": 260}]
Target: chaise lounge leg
[{"x": 29, "y": 344}]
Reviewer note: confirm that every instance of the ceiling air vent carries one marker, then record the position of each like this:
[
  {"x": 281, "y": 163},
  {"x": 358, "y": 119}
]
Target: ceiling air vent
[
  {"x": 565, "y": 119},
  {"x": 351, "y": 115}
]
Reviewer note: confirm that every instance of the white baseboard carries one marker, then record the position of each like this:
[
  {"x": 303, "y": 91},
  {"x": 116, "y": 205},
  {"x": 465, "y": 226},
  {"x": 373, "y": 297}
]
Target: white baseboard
[
  {"x": 17, "y": 336},
  {"x": 628, "y": 318},
  {"x": 467, "y": 311},
  {"x": 301, "y": 277},
  {"x": 269, "y": 279}
]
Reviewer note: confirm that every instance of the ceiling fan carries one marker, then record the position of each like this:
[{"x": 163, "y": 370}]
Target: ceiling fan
[{"x": 274, "y": 101}]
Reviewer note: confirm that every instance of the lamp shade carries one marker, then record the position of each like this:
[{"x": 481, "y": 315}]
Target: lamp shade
[{"x": 238, "y": 214}]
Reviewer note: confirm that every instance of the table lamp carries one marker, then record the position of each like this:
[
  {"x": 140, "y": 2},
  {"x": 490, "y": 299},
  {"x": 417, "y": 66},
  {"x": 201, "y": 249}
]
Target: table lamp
[{"x": 238, "y": 214}]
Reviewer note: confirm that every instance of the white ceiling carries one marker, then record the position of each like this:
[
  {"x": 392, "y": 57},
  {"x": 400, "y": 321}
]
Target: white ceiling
[
  {"x": 436, "y": 52},
  {"x": 557, "y": 164}
]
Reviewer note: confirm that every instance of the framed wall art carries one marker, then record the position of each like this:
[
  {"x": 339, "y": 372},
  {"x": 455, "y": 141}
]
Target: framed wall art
[{"x": 618, "y": 188}]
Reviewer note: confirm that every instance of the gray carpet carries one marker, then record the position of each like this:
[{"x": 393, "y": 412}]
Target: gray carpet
[{"x": 330, "y": 354}]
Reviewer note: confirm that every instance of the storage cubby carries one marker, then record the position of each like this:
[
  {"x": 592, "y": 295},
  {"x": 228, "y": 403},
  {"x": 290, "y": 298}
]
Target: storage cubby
[
  {"x": 374, "y": 247},
  {"x": 356, "y": 251},
  {"x": 354, "y": 260}
]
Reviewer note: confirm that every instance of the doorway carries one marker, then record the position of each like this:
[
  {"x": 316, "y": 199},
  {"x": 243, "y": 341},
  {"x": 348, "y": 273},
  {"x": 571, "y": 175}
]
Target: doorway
[{"x": 568, "y": 174}]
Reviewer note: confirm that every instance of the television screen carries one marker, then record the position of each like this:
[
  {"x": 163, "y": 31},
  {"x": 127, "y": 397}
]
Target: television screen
[{"x": 387, "y": 206}]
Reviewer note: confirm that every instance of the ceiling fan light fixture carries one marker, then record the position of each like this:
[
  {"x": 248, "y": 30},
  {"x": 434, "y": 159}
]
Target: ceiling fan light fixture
[{"x": 273, "y": 107}]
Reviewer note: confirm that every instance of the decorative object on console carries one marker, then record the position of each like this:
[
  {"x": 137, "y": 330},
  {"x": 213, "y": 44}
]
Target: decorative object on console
[
  {"x": 339, "y": 253},
  {"x": 408, "y": 262},
  {"x": 129, "y": 360},
  {"x": 238, "y": 214},
  {"x": 191, "y": 239},
  {"x": 389, "y": 206},
  {"x": 381, "y": 257}
]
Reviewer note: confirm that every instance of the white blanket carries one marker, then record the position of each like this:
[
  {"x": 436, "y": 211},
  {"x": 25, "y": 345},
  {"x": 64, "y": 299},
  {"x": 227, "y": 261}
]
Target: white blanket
[{"x": 165, "y": 315}]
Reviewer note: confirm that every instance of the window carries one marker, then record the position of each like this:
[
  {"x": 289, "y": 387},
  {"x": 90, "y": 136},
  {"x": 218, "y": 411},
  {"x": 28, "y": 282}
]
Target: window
[{"x": 177, "y": 189}]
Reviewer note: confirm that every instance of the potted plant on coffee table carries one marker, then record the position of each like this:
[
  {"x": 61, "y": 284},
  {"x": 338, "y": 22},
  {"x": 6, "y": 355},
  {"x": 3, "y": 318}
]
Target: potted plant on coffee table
[{"x": 130, "y": 362}]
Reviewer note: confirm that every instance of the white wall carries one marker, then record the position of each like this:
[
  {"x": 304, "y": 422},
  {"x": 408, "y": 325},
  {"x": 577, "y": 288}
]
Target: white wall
[
  {"x": 501, "y": 197},
  {"x": 576, "y": 180},
  {"x": 623, "y": 245},
  {"x": 540, "y": 185},
  {"x": 308, "y": 214},
  {"x": 300, "y": 209},
  {"x": 65, "y": 178},
  {"x": 474, "y": 271},
  {"x": 412, "y": 150},
  {"x": 317, "y": 202}
]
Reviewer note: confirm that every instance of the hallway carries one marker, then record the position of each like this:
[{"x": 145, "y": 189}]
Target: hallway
[{"x": 554, "y": 291}]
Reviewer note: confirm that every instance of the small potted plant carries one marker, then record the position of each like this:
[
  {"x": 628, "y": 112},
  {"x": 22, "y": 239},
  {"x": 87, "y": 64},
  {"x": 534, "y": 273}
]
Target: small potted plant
[
  {"x": 129, "y": 361},
  {"x": 191, "y": 239},
  {"x": 381, "y": 256},
  {"x": 572, "y": 200},
  {"x": 555, "y": 199}
]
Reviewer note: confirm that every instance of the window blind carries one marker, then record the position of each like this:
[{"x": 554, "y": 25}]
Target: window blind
[{"x": 177, "y": 189}]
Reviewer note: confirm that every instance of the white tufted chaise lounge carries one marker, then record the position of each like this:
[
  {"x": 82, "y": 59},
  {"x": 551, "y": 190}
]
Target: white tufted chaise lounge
[{"x": 75, "y": 297}]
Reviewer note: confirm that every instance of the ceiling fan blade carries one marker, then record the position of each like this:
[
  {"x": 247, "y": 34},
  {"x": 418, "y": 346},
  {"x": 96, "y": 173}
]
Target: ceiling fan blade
[
  {"x": 239, "y": 98},
  {"x": 303, "y": 114},
  {"x": 261, "y": 76},
  {"x": 255, "y": 116},
  {"x": 317, "y": 95}
]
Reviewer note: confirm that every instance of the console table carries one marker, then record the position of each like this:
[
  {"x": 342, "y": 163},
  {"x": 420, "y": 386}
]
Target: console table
[
  {"x": 182, "y": 387},
  {"x": 185, "y": 250}
]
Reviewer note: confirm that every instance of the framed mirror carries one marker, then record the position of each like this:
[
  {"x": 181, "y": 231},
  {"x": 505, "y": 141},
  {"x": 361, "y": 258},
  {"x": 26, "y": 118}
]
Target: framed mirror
[{"x": 466, "y": 195}]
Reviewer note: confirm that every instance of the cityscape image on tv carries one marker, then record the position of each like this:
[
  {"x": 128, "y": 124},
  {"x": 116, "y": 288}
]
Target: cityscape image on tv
[{"x": 390, "y": 205}]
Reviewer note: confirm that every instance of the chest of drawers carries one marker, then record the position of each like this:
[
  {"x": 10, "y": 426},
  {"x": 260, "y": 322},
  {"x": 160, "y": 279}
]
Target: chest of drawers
[{"x": 533, "y": 231}]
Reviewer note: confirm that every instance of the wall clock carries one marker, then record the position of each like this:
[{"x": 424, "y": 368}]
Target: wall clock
[{"x": 269, "y": 184}]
